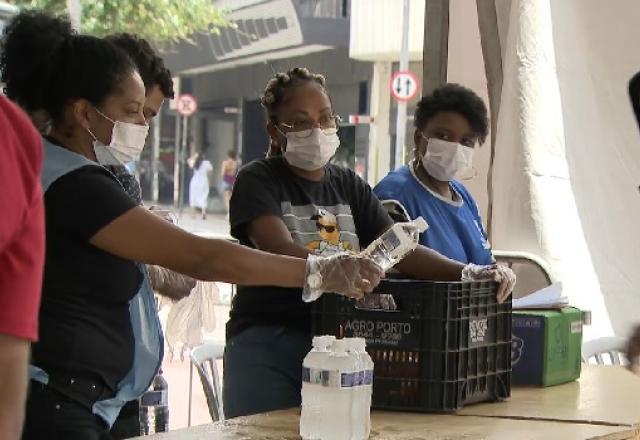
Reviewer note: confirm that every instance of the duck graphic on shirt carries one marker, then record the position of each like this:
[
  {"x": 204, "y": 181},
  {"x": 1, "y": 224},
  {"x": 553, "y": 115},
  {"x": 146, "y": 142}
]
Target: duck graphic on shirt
[{"x": 330, "y": 243}]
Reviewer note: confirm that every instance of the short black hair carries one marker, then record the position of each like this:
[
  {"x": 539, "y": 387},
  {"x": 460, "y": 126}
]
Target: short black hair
[
  {"x": 45, "y": 63},
  {"x": 457, "y": 99},
  {"x": 150, "y": 65}
]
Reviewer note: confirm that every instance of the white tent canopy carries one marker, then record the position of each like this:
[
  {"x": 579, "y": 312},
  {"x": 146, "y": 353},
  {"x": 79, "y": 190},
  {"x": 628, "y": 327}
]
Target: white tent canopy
[{"x": 567, "y": 147}]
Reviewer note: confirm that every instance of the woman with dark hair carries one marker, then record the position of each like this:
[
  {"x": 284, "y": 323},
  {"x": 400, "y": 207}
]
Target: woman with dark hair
[
  {"x": 100, "y": 340},
  {"x": 296, "y": 203},
  {"x": 200, "y": 184},
  {"x": 449, "y": 123}
]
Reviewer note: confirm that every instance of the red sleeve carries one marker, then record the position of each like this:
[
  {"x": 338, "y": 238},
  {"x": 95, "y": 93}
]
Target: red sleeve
[{"x": 21, "y": 223}]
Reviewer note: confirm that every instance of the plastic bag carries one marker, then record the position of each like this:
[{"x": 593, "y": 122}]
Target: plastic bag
[{"x": 193, "y": 315}]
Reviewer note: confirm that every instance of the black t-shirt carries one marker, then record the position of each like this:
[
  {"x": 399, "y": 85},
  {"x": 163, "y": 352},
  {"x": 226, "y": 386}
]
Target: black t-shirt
[
  {"x": 339, "y": 213},
  {"x": 85, "y": 329}
]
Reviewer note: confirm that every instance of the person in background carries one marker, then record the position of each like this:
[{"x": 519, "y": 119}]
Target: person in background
[
  {"x": 296, "y": 203},
  {"x": 228, "y": 172},
  {"x": 21, "y": 260},
  {"x": 100, "y": 340},
  {"x": 450, "y": 123},
  {"x": 158, "y": 86},
  {"x": 200, "y": 184}
]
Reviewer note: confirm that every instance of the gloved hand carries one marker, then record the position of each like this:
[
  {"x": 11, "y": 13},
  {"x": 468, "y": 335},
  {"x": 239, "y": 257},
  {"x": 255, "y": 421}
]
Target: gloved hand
[
  {"x": 346, "y": 274},
  {"x": 500, "y": 274},
  {"x": 169, "y": 283},
  {"x": 633, "y": 349}
]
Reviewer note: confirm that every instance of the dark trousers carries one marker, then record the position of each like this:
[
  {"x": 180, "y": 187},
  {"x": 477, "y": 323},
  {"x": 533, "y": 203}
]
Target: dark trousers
[
  {"x": 53, "y": 416},
  {"x": 263, "y": 370},
  {"x": 127, "y": 424}
]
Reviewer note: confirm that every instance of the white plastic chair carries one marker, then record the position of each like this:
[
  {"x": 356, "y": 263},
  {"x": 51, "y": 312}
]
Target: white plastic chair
[
  {"x": 532, "y": 271},
  {"x": 204, "y": 358},
  {"x": 611, "y": 346}
]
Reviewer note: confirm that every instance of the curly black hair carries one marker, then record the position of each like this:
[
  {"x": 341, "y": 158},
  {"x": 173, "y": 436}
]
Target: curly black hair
[
  {"x": 457, "y": 99},
  {"x": 150, "y": 66},
  {"x": 277, "y": 86},
  {"x": 275, "y": 93},
  {"x": 45, "y": 64}
]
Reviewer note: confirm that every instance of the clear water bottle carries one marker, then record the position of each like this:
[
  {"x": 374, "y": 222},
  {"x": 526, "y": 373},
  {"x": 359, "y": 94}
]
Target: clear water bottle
[
  {"x": 340, "y": 377},
  {"x": 361, "y": 405},
  {"x": 313, "y": 398},
  {"x": 398, "y": 241},
  {"x": 154, "y": 407}
]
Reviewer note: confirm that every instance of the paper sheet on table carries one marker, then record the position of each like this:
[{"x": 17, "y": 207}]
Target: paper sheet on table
[{"x": 548, "y": 298}]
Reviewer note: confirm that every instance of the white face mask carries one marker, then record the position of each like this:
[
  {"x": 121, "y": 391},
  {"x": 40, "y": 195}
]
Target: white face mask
[
  {"x": 446, "y": 160},
  {"x": 313, "y": 152},
  {"x": 127, "y": 142}
]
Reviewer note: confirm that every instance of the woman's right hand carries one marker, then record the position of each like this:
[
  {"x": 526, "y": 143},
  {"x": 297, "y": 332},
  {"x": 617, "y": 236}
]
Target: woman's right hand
[{"x": 345, "y": 274}]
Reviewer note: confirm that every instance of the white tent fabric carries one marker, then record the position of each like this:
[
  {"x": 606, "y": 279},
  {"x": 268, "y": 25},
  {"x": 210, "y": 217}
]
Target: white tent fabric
[{"x": 568, "y": 151}]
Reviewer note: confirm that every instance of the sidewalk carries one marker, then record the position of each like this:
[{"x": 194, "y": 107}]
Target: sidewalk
[
  {"x": 176, "y": 368},
  {"x": 216, "y": 225}
]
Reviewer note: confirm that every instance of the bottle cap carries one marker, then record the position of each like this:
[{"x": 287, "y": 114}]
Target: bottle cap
[
  {"x": 352, "y": 344},
  {"x": 318, "y": 342},
  {"x": 421, "y": 224},
  {"x": 339, "y": 346}
]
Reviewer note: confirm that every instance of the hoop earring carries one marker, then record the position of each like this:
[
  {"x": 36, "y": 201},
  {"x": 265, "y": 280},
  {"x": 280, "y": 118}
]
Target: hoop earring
[{"x": 473, "y": 176}]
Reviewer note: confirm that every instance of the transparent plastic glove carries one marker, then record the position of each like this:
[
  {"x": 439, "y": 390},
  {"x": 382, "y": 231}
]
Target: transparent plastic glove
[
  {"x": 377, "y": 302},
  {"x": 345, "y": 274},
  {"x": 497, "y": 273},
  {"x": 633, "y": 350}
]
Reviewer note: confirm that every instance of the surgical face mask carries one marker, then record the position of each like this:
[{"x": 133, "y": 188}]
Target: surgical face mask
[
  {"x": 311, "y": 152},
  {"x": 446, "y": 160},
  {"x": 127, "y": 142}
]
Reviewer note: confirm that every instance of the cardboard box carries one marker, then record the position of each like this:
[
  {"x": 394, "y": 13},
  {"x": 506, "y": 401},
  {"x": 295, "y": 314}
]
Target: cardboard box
[{"x": 546, "y": 346}]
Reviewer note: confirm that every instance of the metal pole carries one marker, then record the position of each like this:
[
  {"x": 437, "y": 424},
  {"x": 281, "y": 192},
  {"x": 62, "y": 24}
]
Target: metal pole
[
  {"x": 183, "y": 153},
  {"x": 401, "y": 121},
  {"x": 176, "y": 163},
  {"x": 75, "y": 12},
  {"x": 435, "y": 53},
  {"x": 190, "y": 393},
  {"x": 155, "y": 155}
]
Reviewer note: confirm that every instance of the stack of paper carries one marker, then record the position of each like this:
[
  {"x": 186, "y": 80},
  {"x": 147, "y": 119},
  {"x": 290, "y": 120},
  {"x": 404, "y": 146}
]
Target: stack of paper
[{"x": 547, "y": 298}]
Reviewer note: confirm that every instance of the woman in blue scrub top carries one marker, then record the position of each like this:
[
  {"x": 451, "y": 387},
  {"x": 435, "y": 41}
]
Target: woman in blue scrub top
[{"x": 449, "y": 123}]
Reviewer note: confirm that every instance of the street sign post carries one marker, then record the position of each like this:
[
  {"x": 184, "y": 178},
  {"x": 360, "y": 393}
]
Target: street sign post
[
  {"x": 404, "y": 86},
  {"x": 186, "y": 106}
]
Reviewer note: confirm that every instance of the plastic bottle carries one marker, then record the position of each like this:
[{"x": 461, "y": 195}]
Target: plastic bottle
[
  {"x": 340, "y": 366},
  {"x": 154, "y": 407},
  {"x": 313, "y": 392},
  {"x": 361, "y": 409},
  {"x": 398, "y": 241},
  {"x": 353, "y": 348}
]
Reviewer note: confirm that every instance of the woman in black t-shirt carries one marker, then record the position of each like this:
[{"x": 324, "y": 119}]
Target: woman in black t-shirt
[
  {"x": 296, "y": 203},
  {"x": 97, "y": 235}
]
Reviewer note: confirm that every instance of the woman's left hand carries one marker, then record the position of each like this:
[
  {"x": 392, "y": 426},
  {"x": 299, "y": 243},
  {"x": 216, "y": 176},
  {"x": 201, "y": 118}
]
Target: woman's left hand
[{"x": 497, "y": 273}]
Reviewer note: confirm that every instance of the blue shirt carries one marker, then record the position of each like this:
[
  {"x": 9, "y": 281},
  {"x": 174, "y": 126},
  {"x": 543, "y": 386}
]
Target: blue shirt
[{"x": 455, "y": 228}]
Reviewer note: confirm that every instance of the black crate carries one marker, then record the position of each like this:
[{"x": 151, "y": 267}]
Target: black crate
[{"x": 447, "y": 344}]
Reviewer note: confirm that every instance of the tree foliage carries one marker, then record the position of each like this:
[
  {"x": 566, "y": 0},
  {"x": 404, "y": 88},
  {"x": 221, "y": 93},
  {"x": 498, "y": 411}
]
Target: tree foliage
[{"x": 162, "y": 21}]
